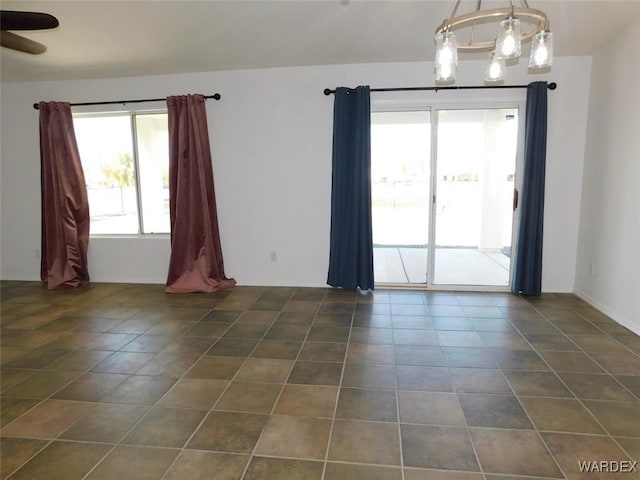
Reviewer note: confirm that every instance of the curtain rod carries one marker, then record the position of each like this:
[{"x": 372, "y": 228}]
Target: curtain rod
[
  {"x": 550, "y": 86},
  {"x": 215, "y": 96}
]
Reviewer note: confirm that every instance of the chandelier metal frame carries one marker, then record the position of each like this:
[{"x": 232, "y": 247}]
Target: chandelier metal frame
[
  {"x": 517, "y": 24},
  {"x": 470, "y": 19}
]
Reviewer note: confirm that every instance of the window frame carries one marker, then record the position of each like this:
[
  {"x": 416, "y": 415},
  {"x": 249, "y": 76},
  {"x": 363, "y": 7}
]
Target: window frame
[{"x": 136, "y": 165}]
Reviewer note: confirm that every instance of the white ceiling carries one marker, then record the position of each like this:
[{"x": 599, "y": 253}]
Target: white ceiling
[{"x": 99, "y": 39}]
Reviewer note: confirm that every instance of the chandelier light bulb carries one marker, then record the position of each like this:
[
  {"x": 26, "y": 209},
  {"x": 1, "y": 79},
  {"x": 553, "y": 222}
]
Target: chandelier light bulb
[
  {"x": 446, "y": 48},
  {"x": 446, "y": 56},
  {"x": 445, "y": 72},
  {"x": 508, "y": 41},
  {"x": 541, "y": 50},
  {"x": 495, "y": 69}
]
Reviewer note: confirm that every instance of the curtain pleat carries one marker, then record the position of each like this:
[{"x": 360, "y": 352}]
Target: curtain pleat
[
  {"x": 196, "y": 263},
  {"x": 351, "y": 240},
  {"x": 65, "y": 205},
  {"x": 528, "y": 268}
]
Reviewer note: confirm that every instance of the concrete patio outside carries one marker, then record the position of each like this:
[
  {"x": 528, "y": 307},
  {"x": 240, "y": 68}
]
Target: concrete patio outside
[{"x": 453, "y": 266}]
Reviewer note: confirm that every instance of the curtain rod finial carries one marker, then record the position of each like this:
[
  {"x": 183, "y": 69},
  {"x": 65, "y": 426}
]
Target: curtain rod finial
[
  {"x": 552, "y": 86},
  {"x": 327, "y": 91},
  {"x": 216, "y": 96}
]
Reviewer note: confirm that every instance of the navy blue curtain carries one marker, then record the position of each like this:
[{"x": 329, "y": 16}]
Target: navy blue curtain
[
  {"x": 351, "y": 250},
  {"x": 528, "y": 271}
]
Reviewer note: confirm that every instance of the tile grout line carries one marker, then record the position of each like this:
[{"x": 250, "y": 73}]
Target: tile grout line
[
  {"x": 255, "y": 447},
  {"x": 606, "y": 373},
  {"x": 252, "y": 455},
  {"x": 575, "y": 397},
  {"x": 339, "y": 389},
  {"x": 208, "y": 412},
  {"x": 552, "y": 370},
  {"x": 395, "y": 371},
  {"x": 57, "y": 438},
  {"x": 151, "y": 406},
  {"x": 464, "y": 417},
  {"x": 501, "y": 369},
  {"x": 116, "y": 444}
]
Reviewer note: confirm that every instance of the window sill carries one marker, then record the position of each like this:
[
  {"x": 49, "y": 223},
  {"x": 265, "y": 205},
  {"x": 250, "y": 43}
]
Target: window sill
[{"x": 128, "y": 236}]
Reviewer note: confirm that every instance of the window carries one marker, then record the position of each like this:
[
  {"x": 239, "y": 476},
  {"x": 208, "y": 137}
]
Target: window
[{"x": 125, "y": 157}]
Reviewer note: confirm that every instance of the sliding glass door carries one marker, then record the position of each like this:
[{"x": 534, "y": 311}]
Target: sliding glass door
[
  {"x": 443, "y": 188},
  {"x": 475, "y": 167},
  {"x": 400, "y": 164}
]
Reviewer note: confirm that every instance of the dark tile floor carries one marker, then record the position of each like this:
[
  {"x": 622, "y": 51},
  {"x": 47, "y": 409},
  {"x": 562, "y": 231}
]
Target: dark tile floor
[{"x": 125, "y": 382}]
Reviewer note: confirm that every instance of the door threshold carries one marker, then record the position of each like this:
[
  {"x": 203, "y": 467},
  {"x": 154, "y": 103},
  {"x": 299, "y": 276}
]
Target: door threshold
[{"x": 443, "y": 288}]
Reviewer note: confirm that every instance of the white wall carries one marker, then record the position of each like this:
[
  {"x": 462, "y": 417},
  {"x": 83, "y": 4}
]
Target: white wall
[
  {"x": 609, "y": 237},
  {"x": 271, "y": 143}
]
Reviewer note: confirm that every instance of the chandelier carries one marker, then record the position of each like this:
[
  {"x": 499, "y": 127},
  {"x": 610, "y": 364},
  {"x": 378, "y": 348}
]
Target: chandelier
[{"x": 515, "y": 24}]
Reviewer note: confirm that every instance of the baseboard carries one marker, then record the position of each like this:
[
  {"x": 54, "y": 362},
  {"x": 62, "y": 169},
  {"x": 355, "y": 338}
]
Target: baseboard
[{"x": 607, "y": 310}]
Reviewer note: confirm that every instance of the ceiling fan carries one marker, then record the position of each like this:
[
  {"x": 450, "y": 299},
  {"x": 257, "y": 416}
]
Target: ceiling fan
[{"x": 12, "y": 20}]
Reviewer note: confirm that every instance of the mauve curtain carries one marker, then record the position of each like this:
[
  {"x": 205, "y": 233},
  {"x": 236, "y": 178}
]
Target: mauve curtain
[
  {"x": 351, "y": 241},
  {"x": 196, "y": 255},
  {"x": 65, "y": 206},
  {"x": 528, "y": 268}
]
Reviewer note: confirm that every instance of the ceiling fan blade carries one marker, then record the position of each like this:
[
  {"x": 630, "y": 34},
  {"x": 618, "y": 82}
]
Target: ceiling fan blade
[
  {"x": 22, "y": 44},
  {"x": 12, "y": 20}
]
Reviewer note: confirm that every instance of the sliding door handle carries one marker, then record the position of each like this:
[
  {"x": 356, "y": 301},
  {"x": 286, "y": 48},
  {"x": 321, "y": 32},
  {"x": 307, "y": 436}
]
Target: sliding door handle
[{"x": 515, "y": 199}]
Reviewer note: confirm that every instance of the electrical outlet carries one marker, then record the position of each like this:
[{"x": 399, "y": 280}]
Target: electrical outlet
[{"x": 273, "y": 256}]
